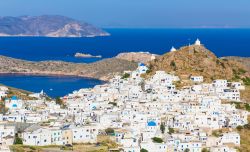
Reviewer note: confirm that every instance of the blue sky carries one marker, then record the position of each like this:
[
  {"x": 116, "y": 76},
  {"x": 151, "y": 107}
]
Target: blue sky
[{"x": 139, "y": 13}]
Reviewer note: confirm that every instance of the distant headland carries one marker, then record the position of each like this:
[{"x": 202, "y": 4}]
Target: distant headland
[{"x": 47, "y": 26}]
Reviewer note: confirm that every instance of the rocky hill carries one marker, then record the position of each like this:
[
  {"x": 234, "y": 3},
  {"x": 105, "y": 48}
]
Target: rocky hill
[
  {"x": 48, "y": 26},
  {"x": 198, "y": 60},
  {"x": 102, "y": 70}
]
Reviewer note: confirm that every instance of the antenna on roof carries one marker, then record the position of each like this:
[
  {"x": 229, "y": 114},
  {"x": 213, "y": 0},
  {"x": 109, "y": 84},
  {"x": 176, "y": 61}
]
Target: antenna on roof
[{"x": 189, "y": 51}]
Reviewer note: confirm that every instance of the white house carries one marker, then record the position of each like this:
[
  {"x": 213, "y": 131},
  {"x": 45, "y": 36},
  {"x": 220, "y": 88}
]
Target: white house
[
  {"x": 196, "y": 79},
  {"x": 230, "y": 138},
  {"x": 238, "y": 85},
  {"x": 222, "y": 148},
  {"x": 3, "y": 94},
  {"x": 7, "y": 132},
  {"x": 36, "y": 136},
  {"x": 3, "y": 88},
  {"x": 220, "y": 83},
  {"x": 154, "y": 147},
  {"x": 85, "y": 134},
  {"x": 56, "y": 136},
  {"x": 231, "y": 94}
]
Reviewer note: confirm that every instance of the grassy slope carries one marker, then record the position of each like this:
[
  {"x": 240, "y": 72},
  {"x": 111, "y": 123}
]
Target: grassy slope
[{"x": 245, "y": 140}]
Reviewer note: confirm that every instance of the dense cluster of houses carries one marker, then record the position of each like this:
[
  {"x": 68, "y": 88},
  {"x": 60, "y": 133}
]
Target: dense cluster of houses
[
  {"x": 3, "y": 91},
  {"x": 149, "y": 114}
]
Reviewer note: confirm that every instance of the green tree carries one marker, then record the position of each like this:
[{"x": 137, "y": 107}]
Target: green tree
[
  {"x": 247, "y": 107},
  {"x": 162, "y": 127},
  {"x": 204, "y": 150},
  {"x": 216, "y": 133},
  {"x": 242, "y": 71},
  {"x": 187, "y": 150},
  {"x": 170, "y": 130},
  {"x": 247, "y": 126},
  {"x": 59, "y": 101},
  {"x": 246, "y": 81},
  {"x": 239, "y": 128},
  {"x": 109, "y": 131},
  {"x": 18, "y": 140},
  {"x": 150, "y": 67},
  {"x": 157, "y": 140},
  {"x": 125, "y": 76},
  {"x": 113, "y": 103},
  {"x": 237, "y": 105},
  {"x": 143, "y": 150},
  {"x": 173, "y": 64}
]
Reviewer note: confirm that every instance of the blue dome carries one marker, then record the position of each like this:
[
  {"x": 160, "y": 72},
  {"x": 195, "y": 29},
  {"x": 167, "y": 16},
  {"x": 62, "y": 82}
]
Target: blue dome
[
  {"x": 141, "y": 64},
  {"x": 14, "y": 98},
  {"x": 151, "y": 123},
  {"x": 14, "y": 106}
]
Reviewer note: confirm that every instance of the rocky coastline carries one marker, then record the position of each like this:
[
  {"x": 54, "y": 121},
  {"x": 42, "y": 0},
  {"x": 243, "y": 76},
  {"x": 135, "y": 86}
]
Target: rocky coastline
[{"x": 102, "y": 70}]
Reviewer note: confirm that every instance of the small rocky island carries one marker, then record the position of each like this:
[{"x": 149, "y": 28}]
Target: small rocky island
[{"x": 84, "y": 55}]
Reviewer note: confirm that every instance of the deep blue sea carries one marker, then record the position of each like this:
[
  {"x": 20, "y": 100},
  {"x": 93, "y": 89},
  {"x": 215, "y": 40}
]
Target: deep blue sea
[{"x": 223, "y": 42}]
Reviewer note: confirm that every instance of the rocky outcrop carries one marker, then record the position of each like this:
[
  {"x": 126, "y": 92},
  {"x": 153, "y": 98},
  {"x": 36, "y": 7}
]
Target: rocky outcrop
[
  {"x": 48, "y": 26},
  {"x": 102, "y": 70},
  {"x": 142, "y": 57}
]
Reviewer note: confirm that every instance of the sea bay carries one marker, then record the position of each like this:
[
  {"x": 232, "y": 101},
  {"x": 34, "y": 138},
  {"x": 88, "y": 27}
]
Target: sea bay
[{"x": 53, "y": 86}]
